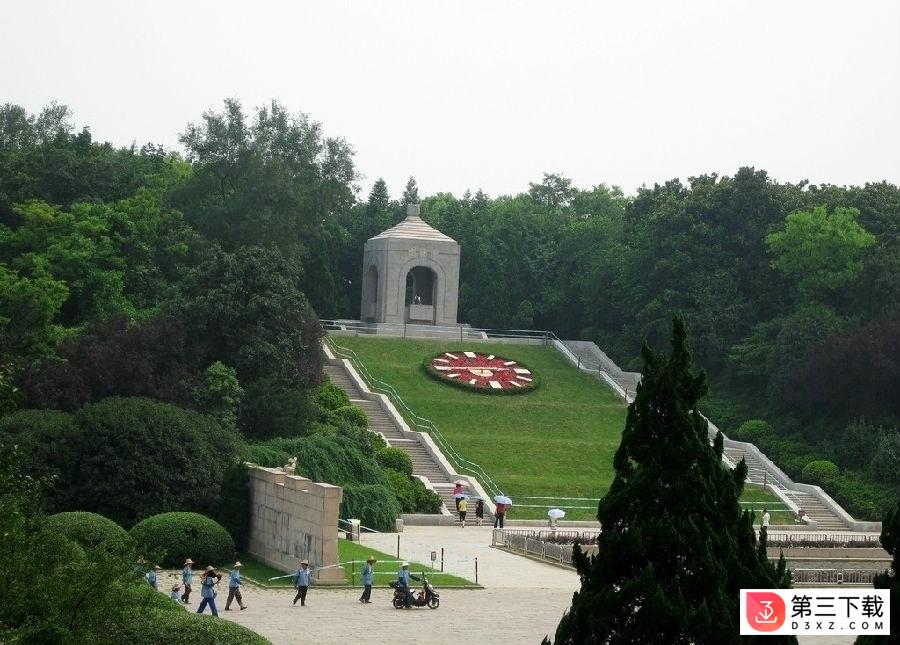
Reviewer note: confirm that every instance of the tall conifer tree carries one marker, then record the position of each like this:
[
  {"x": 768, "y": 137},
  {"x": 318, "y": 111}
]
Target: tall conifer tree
[
  {"x": 890, "y": 578},
  {"x": 675, "y": 548}
]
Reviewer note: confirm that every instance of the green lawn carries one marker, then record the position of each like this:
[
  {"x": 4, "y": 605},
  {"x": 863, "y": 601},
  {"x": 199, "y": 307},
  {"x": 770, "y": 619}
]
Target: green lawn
[
  {"x": 387, "y": 569},
  {"x": 558, "y": 440},
  {"x": 756, "y": 498}
]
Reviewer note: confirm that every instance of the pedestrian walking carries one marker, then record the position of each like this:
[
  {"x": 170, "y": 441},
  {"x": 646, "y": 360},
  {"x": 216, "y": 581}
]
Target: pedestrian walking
[
  {"x": 151, "y": 577},
  {"x": 479, "y": 511},
  {"x": 457, "y": 494},
  {"x": 187, "y": 579},
  {"x": 234, "y": 587},
  {"x": 208, "y": 581},
  {"x": 463, "y": 506},
  {"x": 368, "y": 575},
  {"x": 176, "y": 593},
  {"x": 301, "y": 582},
  {"x": 499, "y": 514},
  {"x": 765, "y": 519}
]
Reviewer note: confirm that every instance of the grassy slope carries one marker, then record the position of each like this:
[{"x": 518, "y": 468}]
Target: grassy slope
[{"x": 557, "y": 440}]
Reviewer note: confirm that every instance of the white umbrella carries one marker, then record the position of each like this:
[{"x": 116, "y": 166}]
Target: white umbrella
[
  {"x": 503, "y": 499},
  {"x": 460, "y": 482},
  {"x": 556, "y": 513}
]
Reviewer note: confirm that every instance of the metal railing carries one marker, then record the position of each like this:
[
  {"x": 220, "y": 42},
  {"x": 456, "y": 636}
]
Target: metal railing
[
  {"x": 413, "y": 419},
  {"x": 834, "y": 576},
  {"x": 545, "y": 337}
]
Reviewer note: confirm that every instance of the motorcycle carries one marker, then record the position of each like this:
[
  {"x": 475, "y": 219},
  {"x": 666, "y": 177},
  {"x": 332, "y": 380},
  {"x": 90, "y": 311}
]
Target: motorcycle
[{"x": 428, "y": 597}]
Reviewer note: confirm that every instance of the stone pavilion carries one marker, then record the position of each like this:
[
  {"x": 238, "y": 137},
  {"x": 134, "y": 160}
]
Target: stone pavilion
[{"x": 410, "y": 275}]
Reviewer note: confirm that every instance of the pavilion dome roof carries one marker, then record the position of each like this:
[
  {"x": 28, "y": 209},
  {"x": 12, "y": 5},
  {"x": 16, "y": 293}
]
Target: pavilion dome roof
[{"x": 413, "y": 228}]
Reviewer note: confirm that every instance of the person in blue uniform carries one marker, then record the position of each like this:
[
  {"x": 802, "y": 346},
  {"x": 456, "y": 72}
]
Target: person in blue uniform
[
  {"x": 152, "y": 575},
  {"x": 403, "y": 577},
  {"x": 187, "y": 579},
  {"x": 234, "y": 587},
  {"x": 301, "y": 582},
  {"x": 368, "y": 575},
  {"x": 208, "y": 581}
]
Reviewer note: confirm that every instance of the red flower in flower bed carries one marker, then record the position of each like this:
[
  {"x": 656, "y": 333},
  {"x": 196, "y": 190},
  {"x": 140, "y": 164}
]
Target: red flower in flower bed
[{"x": 479, "y": 371}]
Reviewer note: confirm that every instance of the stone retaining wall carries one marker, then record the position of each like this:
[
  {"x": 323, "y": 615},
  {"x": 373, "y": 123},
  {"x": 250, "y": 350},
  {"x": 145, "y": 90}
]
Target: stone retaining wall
[{"x": 294, "y": 518}]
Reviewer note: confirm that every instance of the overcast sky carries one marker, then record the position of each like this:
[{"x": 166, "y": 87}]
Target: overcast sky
[{"x": 491, "y": 94}]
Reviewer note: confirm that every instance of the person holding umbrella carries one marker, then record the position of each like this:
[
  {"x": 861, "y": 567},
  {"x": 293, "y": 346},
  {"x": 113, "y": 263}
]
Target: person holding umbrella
[
  {"x": 555, "y": 514},
  {"x": 368, "y": 574},
  {"x": 503, "y": 503},
  {"x": 458, "y": 492}
]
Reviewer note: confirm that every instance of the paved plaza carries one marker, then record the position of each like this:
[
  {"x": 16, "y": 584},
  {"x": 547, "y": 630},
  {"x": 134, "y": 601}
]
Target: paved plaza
[{"x": 522, "y": 601}]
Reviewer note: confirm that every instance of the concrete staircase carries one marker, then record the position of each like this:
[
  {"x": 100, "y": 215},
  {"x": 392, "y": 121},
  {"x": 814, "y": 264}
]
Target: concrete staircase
[
  {"x": 590, "y": 358},
  {"x": 379, "y": 421},
  {"x": 757, "y": 473},
  {"x": 593, "y": 359}
]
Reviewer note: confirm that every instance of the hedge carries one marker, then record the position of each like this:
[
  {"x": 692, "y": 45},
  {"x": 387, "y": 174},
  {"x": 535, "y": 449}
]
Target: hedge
[
  {"x": 329, "y": 396},
  {"x": 127, "y": 458},
  {"x": 184, "y": 535},
  {"x": 375, "y": 505},
  {"x": 348, "y": 415},
  {"x": 411, "y": 493},
  {"x": 90, "y": 530},
  {"x": 180, "y": 627},
  {"x": 754, "y": 430},
  {"x": 396, "y": 459}
]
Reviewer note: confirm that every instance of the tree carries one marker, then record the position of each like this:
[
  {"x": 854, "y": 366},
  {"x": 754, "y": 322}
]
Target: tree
[
  {"x": 675, "y": 548},
  {"x": 822, "y": 251},
  {"x": 889, "y": 579},
  {"x": 410, "y": 193},
  {"x": 554, "y": 190},
  {"x": 220, "y": 394},
  {"x": 126, "y": 458}
]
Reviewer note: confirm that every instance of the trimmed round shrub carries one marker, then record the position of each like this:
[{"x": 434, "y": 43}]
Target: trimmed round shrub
[
  {"x": 179, "y": 627},
  {"x": 329, "y": 396},
  {"x": 90, "y": 530},
  {"x": 395, "y": 459},
  {"x": 348, "y": 415},
  {"x": 754, "y": 430},
  {"x": 184, "y": 535},
  {"x": 820, "y": 472}
]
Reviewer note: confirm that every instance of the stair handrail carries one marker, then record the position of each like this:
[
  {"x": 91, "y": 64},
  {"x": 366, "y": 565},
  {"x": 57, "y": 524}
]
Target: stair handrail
[{"x": 377, "y": 385}]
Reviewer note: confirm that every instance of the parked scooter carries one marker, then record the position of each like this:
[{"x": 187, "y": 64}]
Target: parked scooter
[{"x": 428, "y": 597}]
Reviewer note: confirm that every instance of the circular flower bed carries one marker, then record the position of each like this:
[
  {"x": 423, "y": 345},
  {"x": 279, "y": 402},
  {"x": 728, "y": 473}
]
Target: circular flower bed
[{"x": 481, "y": 372}]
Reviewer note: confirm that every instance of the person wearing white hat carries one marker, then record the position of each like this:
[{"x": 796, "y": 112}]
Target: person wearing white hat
[
  {"x": 234, "y": 587},
  {"x": 187, "y": 579},
  {"x": 301, "y": 582},
  {"x": 403, "y": 577},
  {"x": 208, "y": 581},
  {"x": 176, "y": 593},
  {"x": 368, "y": 574}
]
